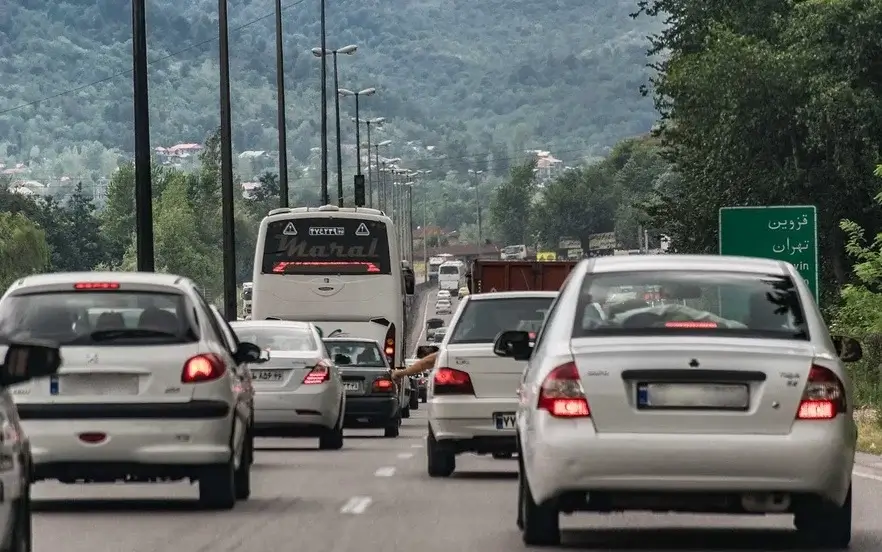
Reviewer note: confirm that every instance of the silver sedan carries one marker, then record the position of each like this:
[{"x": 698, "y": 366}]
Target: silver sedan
[
  {"x": 299, "y": 390},
  {"x": 715, "y": 387}
]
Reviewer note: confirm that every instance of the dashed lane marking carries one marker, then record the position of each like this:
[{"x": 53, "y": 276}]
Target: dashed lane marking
[
  {"x": 387, "y": 471},
  {"x": 405, "y": 455},
  {"x": 356, "y": 505}
]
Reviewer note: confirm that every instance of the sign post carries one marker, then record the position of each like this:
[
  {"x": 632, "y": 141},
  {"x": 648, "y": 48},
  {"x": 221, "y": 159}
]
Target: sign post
[{"x": 783, "y": 232}]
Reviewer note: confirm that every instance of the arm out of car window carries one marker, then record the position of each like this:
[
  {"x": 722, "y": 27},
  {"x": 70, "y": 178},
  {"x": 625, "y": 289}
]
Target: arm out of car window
[{"x": 423, "y": 364}]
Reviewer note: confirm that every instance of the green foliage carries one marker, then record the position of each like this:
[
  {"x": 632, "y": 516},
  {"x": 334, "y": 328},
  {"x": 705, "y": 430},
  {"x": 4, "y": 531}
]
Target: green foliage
[
  {"x": 510, "y": 210},
  {"x": 23, "y": 248}
]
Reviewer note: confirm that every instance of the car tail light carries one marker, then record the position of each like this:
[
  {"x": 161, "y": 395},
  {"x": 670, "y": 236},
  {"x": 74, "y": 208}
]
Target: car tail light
[
  {"x": 389, "y": 345},
  {"x": 383, "y": 385},
  {"x": 84, "y": 286},
  {"x": 320, "y": 373},
  {"x": 562, "y": 394},
  {"x": 201, "y": 368},
  {"x": 824, "y": 396},
  {"x": 449, "y": 381}
]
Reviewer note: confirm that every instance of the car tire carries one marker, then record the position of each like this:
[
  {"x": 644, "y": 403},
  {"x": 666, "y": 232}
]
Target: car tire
[
  {"x": 502, "y": 455},
  {"x": 405, "y": 412},
  {"x": 825, "y": 525},
  {"x": 21, "y": 539},
  {"x": 242, "y": 476},
  {"x": 217, "y": 486},
  {"x": 541, "y": 523},
  {"x": 332, "y": 439},
  {"x": 520, "y": 520},
  {"x": 441, "y": 460},
  {"x": 393, "y": 428},
  {"x": 414, "y": 401}
]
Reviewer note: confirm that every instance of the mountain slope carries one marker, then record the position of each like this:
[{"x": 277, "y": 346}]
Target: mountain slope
[{"x": 561, "y": 74}]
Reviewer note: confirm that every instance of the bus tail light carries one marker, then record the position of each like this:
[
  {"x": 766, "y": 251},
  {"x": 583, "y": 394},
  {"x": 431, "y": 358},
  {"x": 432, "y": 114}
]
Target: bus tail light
[{"x": 389, "y": 345}]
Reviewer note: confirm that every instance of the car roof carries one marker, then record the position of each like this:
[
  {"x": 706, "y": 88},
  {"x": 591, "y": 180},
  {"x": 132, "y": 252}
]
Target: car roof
[
  {"x": 120, "y": 277},
  {"x": 291, "y": 324},
  {"x": 351, "y": 339},
  {"x": 489, "y": 296},
  {"x": 626, "y": 263}
]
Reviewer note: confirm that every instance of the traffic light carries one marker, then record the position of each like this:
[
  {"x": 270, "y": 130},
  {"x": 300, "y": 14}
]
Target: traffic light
[{"x": 359, "y": 190}]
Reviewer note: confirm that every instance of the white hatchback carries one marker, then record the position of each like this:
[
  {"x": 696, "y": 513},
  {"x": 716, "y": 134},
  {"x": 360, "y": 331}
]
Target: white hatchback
[
  {"x": 152, "y": 387},
  {"x": 472, "y": 393}
]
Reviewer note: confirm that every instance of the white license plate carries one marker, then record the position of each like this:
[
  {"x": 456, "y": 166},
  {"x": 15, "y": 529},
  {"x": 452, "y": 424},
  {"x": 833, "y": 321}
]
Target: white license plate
[
  {"x": 352, "y": 386},
  {"x": 693, "y": 395},
  {"x": 268, "y": 375},
  {"x": 504, "y": 420},
  {"x": 79, "y": 385}
]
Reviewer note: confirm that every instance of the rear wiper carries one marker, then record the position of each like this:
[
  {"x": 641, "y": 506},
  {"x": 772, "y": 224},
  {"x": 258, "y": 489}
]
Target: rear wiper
[{"x": 127, "y": 333}]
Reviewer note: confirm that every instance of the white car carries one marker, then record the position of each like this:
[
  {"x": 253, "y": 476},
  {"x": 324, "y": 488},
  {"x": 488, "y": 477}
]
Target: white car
[
  {"x": 299, "y": 390},
  {"x": 152, "y": 387},
  {"x": 443, "y": 306},
  {"x": 471, "y": 394},
  {"x": 726, "y": 396},
  {"x": 443, "y": 294}
]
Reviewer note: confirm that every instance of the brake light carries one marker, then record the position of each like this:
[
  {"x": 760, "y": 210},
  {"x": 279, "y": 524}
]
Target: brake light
[
  {"x": 202, "y": 368},
  {"x": 562, "y": 394},
  {"x": 389, "y": 344},
  {"x": 96, "y": 285},
  {"x": 449, "y": 381},
  {"x": 370, "y": 268},
  {"x": 320, "y": 373},
  {"x": 824, "y": 396},
  {"x": 691, "y": 325},
  {"x": 383, "y": 385}
]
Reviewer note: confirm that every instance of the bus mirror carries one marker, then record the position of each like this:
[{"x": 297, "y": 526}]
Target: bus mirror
[{"x": 409, "y": 280}]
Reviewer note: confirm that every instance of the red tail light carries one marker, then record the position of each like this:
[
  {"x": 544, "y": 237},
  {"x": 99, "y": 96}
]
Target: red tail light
[
  {"x": 449, "y": 381},
  {"x": 693, "y": 325},
  {"x": 562, "y": 394},
  {"x": 370, "y": 268},
  {"x": 824, "y": 396},
  {"x": 82, "y": 286},
  {"x": 383, "y": 385},
  {"x": 201, "y": 368},
  {"x": 389, "y": 345},
  {"x": 320, "y": 373}
]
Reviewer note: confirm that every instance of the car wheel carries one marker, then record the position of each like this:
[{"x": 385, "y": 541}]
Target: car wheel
[
  {"x": 541, "y": 523},
  {"x": 332, "y": 439},
  {"x": 414, "y": 401},
  {"x": 826, "y": 525},
  {"x": 242, "y": 476},
  {"x": 405, "y": 412},
  {"x": 21, "y": 539},
  {"x": 520, "y": 521},
  {"x": 441, "y": 460},
  {"x": 217, "y": 486},
  {"x": 393, "y": 428}
]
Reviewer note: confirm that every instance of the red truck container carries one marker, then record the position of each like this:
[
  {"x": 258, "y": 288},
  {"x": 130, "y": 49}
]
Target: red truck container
[{"x": 487, "y": 275}]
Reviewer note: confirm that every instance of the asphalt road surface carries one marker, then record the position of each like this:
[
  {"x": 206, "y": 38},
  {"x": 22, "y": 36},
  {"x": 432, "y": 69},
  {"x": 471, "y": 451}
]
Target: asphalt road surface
[{"x": 375, "y": 495}]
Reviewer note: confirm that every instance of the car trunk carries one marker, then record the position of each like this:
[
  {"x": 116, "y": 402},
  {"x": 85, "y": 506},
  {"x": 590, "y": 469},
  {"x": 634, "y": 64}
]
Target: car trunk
[
  {"x": 359, "y": 381},
  {"x": 284, "y": 371},
  {"x": 492, "y": 376}
]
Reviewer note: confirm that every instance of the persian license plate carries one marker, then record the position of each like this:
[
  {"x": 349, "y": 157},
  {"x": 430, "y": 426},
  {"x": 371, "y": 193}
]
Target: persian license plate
[
  {"x": 267, "y": 375},
  {"x": 353, "y": 386},
  {"x": 721, "y": 396},
  {"x": 79, "y": 385},
  {"x": 504, "y": 420}
]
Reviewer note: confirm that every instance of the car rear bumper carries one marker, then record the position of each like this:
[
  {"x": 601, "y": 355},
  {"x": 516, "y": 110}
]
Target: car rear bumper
[
  {"x": 371, "y": 409},
  {"x": 311, "y": 407},
  {"x": 453, "y": 418},
  {"x": 564, "y": 456}
]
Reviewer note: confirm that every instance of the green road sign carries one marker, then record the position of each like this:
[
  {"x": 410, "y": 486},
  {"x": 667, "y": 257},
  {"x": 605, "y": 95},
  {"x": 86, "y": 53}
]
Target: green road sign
[{"x": 783, "y": 232}]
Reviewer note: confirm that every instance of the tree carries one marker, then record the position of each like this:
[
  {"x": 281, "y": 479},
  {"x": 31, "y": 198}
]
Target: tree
[
  {"x": 23, "y": 248},
  {"x": 512, "y": 204}
]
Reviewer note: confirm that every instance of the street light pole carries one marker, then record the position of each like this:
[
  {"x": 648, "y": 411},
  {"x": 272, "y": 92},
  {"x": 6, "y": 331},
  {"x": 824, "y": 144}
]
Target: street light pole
[
  {"x": 143, "y": 185},
  {"x": 370, "y": 185},
  {"x": 377, "y": 164},
  {"x": 358, "y": 94},
  {"x": 280, "y": 97},
  {"x": 325, "y": 199},
  {"x": 226, "y": 151},
  {"x": 346, "y": 50}
]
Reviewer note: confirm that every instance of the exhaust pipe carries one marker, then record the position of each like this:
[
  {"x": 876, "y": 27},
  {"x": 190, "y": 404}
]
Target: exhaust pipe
[{"x": 766, "y": 503}]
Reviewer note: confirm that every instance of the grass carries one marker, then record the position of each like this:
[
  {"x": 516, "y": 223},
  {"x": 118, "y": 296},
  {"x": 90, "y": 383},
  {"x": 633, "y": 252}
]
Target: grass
[{"x": 869, "y": 432}]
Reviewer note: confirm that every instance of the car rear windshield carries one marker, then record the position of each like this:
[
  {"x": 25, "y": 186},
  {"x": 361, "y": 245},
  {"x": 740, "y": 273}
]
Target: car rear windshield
[
  {"x": 277, "y": 339},
  {"x": 100, "y": 317},
  {"x": 362, "y": 354},
  {"x": 482, "y": 320},
  {"x": 695, "y": 303}
]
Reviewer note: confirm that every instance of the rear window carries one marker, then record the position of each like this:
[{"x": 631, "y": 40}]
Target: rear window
[
  {"x": 100, "y": 317},
  {"x": 361, "y": 354},
  {"x": 277, "y": 339},
  {"x": 695, "y": 303},
  {"x": 483, "y": 320},
  {"x": 449, "y": 270}
]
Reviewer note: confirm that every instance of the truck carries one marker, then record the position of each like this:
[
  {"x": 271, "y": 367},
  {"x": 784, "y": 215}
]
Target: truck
[{"x": 491, "y": 275}]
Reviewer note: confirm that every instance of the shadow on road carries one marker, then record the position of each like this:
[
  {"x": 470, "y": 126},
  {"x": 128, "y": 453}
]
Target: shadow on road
[
  {"x": 682, "y": 539},
  {"x": 485, "y": 475}
]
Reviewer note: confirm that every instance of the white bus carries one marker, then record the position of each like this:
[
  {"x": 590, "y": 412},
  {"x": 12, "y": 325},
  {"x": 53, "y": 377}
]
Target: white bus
[
  {"x": 339, "y": 268},
  {"x": 451, "y": 275},
  {"x": 434, "y": 263}
]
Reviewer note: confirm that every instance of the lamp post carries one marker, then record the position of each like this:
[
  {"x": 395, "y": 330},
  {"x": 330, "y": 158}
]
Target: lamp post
[
  {"x": 476, "y": 175},
  {"x": 346, "y": 50},
  {"x": 280, "y": 109},
  {"x": 377, "y": 121},
  {"x": 383, "y": 183},
  {"x": 143, "y": 185},
  {"x": 324, "y": 46},
  {"x": 226, "y": 155},
  {"x": 425, "y": 222},
  {"x": 377, "y": 163},
  {"x": 365, "y": 92}
]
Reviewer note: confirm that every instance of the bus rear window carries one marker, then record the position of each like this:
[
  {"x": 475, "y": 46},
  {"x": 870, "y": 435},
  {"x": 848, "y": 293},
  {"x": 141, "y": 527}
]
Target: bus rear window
[
  {"x": 449, "y": 270},
  {"x": 326, "y": 246}
]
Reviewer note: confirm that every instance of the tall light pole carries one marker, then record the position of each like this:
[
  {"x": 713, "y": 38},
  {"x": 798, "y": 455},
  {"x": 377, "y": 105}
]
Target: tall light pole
[
  {"x": 377, "y": 121},
  {"x": 143, "y": 185},
  {"x": 477, "y": 176},
  {"x": 377, "y": 163},
  {"x": 324, "y": 46},
  {"x": 346, "y": 50},
  {"x": 280, "y": 109},
  {"x": 383, "y": 184},
  {"x": 226, "y": 150},
  {"x": 365, "y": 92},
  {"x": 425, "y": 226}
]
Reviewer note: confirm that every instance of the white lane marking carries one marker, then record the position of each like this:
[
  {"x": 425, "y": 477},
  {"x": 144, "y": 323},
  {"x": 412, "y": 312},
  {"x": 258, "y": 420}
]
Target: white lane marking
[
  {"x": 387, "y": 471},
  {"x": 425, "y": 318},
  {"x": 405, "y": 455},
  {"x": 356, "y": 505},
  {"x": 416, "y": 446},
  {"x": 867, "y": 475}
]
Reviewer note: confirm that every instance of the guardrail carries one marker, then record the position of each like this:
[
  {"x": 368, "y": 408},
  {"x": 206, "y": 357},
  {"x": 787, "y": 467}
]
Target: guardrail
[{"x": 413, "y": 306}]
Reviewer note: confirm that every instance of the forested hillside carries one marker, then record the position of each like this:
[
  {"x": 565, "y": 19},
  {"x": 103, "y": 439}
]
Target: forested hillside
[{"x": 550, "y": 74}]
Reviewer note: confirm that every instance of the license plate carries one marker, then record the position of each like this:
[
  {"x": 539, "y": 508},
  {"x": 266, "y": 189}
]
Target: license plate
[
  {"x": 352, "y": 386},
  {"x": 268, "y": 375},
  {"x": 504, "y": 420},
  {"x": 693, "y": 396},
  {"x": 78, "y": 385}
]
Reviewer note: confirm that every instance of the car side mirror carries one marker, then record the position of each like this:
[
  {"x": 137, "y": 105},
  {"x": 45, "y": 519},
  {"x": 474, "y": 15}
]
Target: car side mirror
[
  {"x": 513, "y": 344},
  {"x": 847, "y": 348},
  {"x": 342, "y": 360},
  {"x": 27, "y": 361},
  {"x": 425, "y": 350},
  {"x": 249, "y": 353}
]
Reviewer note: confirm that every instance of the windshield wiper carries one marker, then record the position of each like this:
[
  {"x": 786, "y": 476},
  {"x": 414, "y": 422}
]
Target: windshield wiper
[{"x": 127, "y": 333}]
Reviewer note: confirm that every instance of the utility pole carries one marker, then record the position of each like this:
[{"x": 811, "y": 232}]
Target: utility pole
[
  {"x": 143, "y": 184},
  {"x": 280, "y": 97},
  {"x": 324, "y": 191},
  {"x": 228, "y": 221}
]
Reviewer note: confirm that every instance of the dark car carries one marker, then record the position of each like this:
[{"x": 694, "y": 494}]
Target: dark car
[{"x": 373, "y": 398}]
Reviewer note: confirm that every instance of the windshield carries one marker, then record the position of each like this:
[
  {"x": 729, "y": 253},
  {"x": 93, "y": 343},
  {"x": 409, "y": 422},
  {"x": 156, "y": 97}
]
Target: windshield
[
  {"x": 326, "y": 246},
  {"x": 362, "y": 354},
  {"x": 703, "y": 303},
  {"x": 481, "y": 321},
  {"x": 449, "y": 270},
  {"x": 275, "y": 338},
  {"x": 100, "y": 317}
]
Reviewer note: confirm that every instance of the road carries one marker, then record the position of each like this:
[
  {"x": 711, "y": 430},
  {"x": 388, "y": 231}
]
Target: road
[{"x": 375, "y": 495}]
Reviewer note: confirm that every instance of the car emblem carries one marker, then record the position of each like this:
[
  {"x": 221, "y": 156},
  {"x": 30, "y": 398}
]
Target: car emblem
[
  {"x": 693, "y": 363},
  {"x": 92, "y": 358}
]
